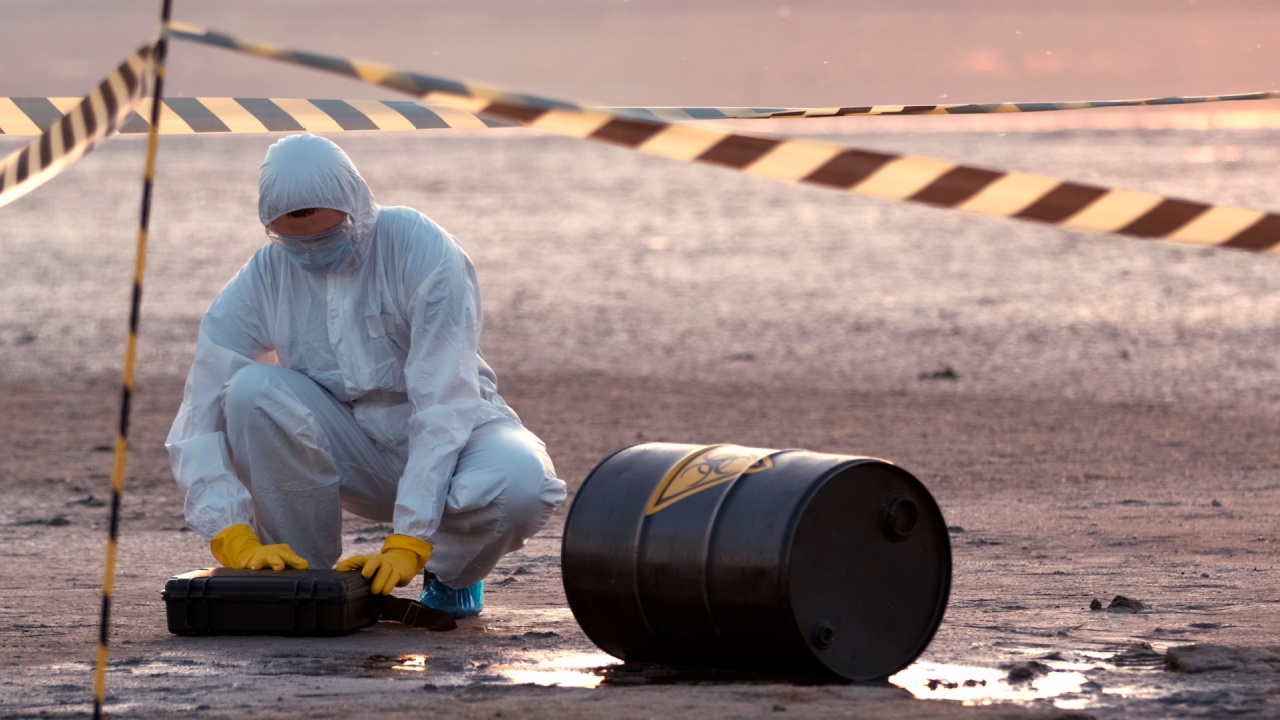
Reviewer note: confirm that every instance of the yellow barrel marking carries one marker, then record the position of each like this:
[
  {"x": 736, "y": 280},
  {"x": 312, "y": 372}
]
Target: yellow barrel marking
[{"x": 705, "y": 468}]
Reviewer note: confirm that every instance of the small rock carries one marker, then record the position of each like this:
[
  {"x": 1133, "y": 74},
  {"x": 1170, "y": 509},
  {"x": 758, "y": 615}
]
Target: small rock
[
  {"x": 1139, "y": 654},
  {"x": 88, "y": 501},
  {"x": 1216, "y": 503},
  {"x": 779, "y": 708},
  {"x": 955, "y": 529},
  {"x": 58, "y": 521},
  {"x": 1121, "y": 603},
  {"x": 1096, "y": 604},
  {"x": 534, "y": 635},
  {"x": 946, "y": 373},
  {"x": 522, "y": 570},
  {"x": 1022, "y": 672}
]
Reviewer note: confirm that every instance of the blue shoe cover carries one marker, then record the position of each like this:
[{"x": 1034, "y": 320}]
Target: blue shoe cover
[{"x": 464, "y": 603}]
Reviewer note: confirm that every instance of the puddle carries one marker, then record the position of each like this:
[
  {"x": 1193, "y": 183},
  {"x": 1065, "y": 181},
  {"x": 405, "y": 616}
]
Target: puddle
[
  {"x": 1060, "y": 682},
  {"x": 583, "y": 670},
  {"x": 438, "y": 672},
  {"x": 1067, "y": 680},
  {"x": 1064, "y": 684},
  {"x": 410, "y": 663},
  {"x": 577, "y": 670}
]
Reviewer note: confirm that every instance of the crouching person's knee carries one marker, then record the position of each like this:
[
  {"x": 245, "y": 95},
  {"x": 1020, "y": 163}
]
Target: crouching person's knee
[
  {"x": 504, "y": 493},
  {"x": 242, "y": 395},
  {"x": 533, "y": 494},
  {"x": 270, "y": 422}
]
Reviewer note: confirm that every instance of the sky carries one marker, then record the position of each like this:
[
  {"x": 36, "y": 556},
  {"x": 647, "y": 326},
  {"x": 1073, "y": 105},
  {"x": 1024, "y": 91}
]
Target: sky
[{"x": 679, "y": 52}]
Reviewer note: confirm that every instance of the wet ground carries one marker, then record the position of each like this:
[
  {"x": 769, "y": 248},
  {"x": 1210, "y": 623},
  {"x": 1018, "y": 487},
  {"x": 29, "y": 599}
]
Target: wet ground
[
  {"x": 1029, "y": 560},
  {"x": 1095, "y": 416}
]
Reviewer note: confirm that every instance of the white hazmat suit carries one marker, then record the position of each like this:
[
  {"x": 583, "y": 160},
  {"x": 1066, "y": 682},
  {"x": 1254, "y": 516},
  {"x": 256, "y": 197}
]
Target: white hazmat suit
[{"x": 380, "y": 403}]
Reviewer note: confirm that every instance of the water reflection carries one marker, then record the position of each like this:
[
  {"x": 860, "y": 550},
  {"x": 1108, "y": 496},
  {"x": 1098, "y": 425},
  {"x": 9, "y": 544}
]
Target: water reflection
[
  {"x": 1062, "y": 683},
  {"x": 410, "y": 663},
  {"x": 581, "y": 670}
]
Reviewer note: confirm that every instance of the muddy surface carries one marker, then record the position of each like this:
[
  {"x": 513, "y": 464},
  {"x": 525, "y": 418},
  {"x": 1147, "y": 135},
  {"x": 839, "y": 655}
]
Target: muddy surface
[
  {"x": 1096, "y": 418},
  {"x": 1033, "y": 547}
]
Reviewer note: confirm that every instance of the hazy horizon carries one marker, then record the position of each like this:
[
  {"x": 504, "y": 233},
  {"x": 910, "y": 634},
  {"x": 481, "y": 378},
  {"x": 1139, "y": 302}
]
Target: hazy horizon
[{"x": 662, "y": 52}]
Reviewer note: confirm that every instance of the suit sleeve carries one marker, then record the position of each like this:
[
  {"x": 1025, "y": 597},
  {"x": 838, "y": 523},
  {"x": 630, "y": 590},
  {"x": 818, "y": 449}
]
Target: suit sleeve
[
  {"x": 231, "y": 336},
  {"x": 442, "y": 375}
]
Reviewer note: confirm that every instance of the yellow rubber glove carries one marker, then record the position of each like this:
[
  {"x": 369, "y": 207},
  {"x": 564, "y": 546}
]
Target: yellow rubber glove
[
  {"x": 401, "y": 559},
  {"x": 239, "y": 547}
]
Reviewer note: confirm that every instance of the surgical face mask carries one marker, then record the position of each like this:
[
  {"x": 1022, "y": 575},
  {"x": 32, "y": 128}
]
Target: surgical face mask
[{"x": 322, "y": 252}]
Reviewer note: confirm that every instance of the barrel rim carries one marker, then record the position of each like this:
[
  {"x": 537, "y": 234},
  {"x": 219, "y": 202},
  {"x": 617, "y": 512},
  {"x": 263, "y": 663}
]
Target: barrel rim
[{"x": 948, "y": 565}]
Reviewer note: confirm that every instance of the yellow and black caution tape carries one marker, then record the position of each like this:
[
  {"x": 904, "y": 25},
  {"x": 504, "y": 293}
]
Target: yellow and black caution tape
[
  {"x": 677, "y": 114},
  {"x": 70, "y": 136},
  {"x": 183, "y": 116},
  {"x": 981, "y": 108},
  {"x": 156, "y": 54},
  {"x": 198, "y": 115},
  {"x": 884, "y": 175}
]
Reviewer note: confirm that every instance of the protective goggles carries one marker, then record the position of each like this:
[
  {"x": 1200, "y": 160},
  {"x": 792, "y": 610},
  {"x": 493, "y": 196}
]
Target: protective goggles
[{"x": 341, "y": 228}]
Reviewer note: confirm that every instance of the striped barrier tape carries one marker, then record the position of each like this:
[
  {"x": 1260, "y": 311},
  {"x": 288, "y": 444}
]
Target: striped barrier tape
[
  {"x": 895, "y": 177},
  {"x": 988, "y": 108},
  {"x": 676, "y": 114},
  {"x": 31, "y": 116},
  {"x": 183, "y": 116},
  {"x": 74, "y": 134},
  {"x": 156, "y": 57}
]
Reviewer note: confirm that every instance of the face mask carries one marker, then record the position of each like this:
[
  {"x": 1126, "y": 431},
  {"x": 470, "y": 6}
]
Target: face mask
[{"x": 323, "y": 252}]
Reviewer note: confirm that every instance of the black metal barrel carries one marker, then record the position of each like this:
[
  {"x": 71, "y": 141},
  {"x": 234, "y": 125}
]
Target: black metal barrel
[{"x": 784, "y": 562}]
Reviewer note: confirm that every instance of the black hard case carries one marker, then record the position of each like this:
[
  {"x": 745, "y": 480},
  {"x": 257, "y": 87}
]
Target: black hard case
[{"x": 221, "y": 601}]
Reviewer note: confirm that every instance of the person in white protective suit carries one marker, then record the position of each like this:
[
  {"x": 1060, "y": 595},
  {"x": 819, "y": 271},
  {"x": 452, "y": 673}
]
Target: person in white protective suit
[{"x": 380, "y": 402}]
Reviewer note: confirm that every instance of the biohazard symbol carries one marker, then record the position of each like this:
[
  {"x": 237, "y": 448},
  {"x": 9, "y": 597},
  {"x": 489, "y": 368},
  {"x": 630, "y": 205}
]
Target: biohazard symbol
[{"x": 707, "y": 467}]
